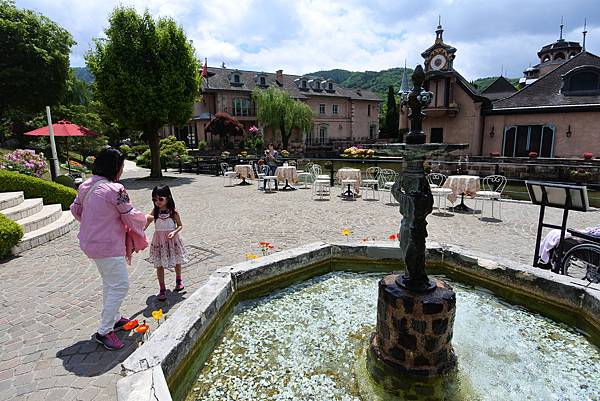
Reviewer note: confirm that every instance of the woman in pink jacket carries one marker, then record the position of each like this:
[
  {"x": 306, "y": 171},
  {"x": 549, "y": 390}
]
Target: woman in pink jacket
[{"x": 111, "y": 228}]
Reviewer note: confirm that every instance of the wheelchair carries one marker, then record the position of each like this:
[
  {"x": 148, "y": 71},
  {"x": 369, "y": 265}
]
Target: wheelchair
[{"x": 577, "y": 256}]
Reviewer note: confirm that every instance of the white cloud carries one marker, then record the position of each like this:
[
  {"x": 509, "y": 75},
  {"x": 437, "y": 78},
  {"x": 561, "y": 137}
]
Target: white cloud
[{"x": 309, "y": 35}]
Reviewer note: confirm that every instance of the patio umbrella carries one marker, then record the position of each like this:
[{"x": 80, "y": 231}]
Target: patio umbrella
[{"x": 63, "y": 128}]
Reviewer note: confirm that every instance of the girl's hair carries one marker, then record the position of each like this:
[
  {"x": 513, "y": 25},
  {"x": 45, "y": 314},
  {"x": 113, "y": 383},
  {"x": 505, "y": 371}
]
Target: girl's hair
[
  {"x": 165, "y": 191},
  {"x": 108, "y": 163}
]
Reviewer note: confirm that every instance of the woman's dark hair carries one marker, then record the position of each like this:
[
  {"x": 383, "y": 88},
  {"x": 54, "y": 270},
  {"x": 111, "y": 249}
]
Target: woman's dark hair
[
  {"x": 165, "y": 191},
  {"x": 108, "y": 163}
]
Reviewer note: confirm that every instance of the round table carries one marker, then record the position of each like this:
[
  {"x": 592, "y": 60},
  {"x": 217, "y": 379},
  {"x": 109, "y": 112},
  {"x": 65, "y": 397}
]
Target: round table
[
  {"x": 350, "y": 174},
  {"x": 287, "y": 174},
  {"x": 244, "y": 171},
  {"x": 461, "y": 185}
]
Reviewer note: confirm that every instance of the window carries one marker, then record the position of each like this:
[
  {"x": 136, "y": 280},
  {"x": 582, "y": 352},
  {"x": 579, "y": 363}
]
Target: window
[
  {"x": 317, "y": 85},
  {"x": 330, "y": 86},
  {"x": 309, "y": 138},
  {"x": 581, "y": 81},
  {"x": 263, "y": 81},
  {"x": 437, "y": 135},
  {"x": 334, "y": 109},
  {"x": 241, "y": 107},
  {"x": 369, "y": 110},
  {"x": 372, "y": 131},
  {"x": 236, "y": 79},
  {"x": 322, "y": 139},
  {"x": 521, "y": 139},
  {"x": 559, "y": 56},
  {"x": 303, "y": 84},
  {"x": 321, "y": 109}
]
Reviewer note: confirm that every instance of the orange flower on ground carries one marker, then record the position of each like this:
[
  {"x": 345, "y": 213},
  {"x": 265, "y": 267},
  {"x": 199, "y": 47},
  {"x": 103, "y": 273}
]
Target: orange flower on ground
[
  {"x": 270, "y": 246},
  {"x": 264, "y": 243},
  {"x": 142, "y": 328},
  {"x": 130, "y": 324},
  {"x": 393, "y": 237}
]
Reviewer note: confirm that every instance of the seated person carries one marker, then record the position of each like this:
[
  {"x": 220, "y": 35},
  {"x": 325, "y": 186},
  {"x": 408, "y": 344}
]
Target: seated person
[
  {"x": 552, "y": 239},
  {"x": 271, "y": 156}
]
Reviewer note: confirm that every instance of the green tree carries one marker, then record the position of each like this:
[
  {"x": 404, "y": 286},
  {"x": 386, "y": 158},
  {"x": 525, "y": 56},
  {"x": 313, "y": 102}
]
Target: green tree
[
  {"x": 392, "y": 115},
  {"x": 275, "y": 109},
  {"x": 35, "y": 59},
  {"x": 146, "y": 75}
]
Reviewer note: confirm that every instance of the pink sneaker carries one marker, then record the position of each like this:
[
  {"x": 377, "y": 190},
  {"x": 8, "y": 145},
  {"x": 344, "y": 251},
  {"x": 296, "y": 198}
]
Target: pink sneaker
[{"x": 110, "y": 341}]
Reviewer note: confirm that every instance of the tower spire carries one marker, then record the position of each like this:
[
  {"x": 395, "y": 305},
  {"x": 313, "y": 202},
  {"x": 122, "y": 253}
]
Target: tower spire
[
  {"x": 561, "y": 28},
  {"x": 584, "y": 33},
  {"x": 404, "y": 85},
  {"x": 439, "y": 31}
]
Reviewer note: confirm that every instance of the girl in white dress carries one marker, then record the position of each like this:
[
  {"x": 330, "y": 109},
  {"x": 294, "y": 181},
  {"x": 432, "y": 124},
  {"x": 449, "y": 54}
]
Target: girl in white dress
[{"x": 167, "y": 249}]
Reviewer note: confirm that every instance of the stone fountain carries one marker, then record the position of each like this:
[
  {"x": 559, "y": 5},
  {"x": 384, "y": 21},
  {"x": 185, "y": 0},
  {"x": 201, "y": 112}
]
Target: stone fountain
[{"x": 415, "y": 314}]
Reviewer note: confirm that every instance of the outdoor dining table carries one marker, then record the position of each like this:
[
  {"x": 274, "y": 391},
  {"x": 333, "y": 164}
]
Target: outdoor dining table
[
  {"x": 244, "y": 171},
  {"x": 287, "y": 173},
  {"x": 462, "y": 185},
  {"x": 349, "y": 174}
]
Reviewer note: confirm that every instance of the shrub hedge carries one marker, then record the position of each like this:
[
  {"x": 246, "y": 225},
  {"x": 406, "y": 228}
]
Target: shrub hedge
[
  {"x": 34, "y": 187},
  {"x": 10, "y": 234}
]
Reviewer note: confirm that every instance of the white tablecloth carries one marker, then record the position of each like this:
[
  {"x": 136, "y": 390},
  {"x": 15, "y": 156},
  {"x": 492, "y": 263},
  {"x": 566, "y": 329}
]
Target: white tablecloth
[
  {"x": 287, "y": 172},
  {"x": 244, "y": 171},
  {"x": 459, "y": 184},
  {"x": 349, "y": 174}
]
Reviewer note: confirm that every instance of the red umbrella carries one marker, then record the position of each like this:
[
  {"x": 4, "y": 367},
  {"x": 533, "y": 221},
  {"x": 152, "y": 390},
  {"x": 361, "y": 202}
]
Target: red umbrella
[{"x": 63, "y": 128}]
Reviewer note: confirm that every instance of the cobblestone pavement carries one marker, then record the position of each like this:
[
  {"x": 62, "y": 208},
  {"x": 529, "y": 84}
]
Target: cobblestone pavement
[{"x": 50, "y": 298}]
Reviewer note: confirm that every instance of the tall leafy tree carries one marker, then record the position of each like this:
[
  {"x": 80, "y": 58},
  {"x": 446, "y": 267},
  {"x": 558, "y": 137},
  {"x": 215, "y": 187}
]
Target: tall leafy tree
[
  {"x": 392, "y": 115},
  {"x": 275, "y": 109},
  {"x": 225, "y": 127},
  {"x": 146, "y": 75},
  {"x": 34, "y": 65}
]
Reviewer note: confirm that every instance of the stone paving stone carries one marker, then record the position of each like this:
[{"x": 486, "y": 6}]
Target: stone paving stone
[{"x": 51, "y": 296}]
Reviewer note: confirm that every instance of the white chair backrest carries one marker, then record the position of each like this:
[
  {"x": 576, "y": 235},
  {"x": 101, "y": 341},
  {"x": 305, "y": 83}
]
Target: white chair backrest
[
  {"x": 387, "y": 175},
  {"x": 224, "y": 167},
  {"x": 436, "y": 179},
  {"x": 315, "y": 170},
  {"x": 255, "y": 168},
  {"x": 495, "y": 183},
  {"x": 372, "y": 173}
]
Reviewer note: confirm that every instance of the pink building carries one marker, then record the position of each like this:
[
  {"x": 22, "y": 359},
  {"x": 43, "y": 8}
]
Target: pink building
[{"x": 342, "y": 116}]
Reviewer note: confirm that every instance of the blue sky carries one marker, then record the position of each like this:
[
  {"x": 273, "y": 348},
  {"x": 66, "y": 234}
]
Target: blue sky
[{"x": 301, "y": 36}]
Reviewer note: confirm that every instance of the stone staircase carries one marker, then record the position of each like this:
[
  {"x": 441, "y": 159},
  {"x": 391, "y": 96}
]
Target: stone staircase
[{"x": 41, "y": 223}]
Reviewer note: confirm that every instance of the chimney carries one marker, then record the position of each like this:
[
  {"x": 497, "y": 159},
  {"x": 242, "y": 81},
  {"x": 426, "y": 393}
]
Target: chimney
[{"x": 279, "y": 77}]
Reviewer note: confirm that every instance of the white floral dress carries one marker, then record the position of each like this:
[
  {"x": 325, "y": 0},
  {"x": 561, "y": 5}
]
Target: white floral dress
[{"x": 164, "y": 251}]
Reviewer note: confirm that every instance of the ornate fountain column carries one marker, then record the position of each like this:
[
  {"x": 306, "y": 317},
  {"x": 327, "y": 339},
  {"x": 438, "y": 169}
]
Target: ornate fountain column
[{"x": 415, "y": 314}]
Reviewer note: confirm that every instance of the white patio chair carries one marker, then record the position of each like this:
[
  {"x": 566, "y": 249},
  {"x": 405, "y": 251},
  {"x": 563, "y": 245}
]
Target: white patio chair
[
  {"x": 370, "y": 183},
  {"x": 321, "y": 189},
  {"x": 387, "y": 179},
  {"x": 305, "y": 175},
  {"x": 228, "y": 175},
  {"x": 436, "y": 183},
  {"x": 317, "y": 172},
  {"x": 269, "y": 181},
  {"x": 260, "y": 177},
  {"x": 493, "y": 186}
]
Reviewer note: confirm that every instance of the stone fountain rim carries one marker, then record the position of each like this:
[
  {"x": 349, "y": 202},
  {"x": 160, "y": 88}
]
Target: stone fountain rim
[{"x": 146, "y": 368}]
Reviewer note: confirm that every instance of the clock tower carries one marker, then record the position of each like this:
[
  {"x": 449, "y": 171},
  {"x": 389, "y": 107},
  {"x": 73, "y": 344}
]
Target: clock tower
[{"x": 440, "y": 56}]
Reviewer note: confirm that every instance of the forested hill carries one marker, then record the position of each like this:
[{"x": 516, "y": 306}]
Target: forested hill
[{"x": 379, "y": 81}]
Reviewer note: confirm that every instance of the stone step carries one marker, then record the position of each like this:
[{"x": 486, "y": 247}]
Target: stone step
[
  {"x": 63, "y": 225},
  {"x": 10, "y": 199},
  {"x": 48, "y": 214},
  {"x": 26, "y": 208}
]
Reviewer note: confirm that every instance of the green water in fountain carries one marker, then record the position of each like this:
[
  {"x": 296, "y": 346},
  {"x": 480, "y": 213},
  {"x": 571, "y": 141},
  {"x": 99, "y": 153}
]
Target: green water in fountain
[{"x": 307, "y": 342}]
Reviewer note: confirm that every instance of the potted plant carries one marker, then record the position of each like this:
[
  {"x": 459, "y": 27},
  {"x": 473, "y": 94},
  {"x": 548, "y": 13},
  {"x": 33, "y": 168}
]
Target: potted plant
[
  {"x": 588, "y": 155},
  {"x": 580, "y": 176},
  {"x": 533, "y": 155}
]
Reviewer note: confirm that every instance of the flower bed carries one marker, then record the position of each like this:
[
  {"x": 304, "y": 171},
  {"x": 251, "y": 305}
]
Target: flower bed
[
  {"x": 24, "y": 161},
  {"x": 358, "y": 152}
]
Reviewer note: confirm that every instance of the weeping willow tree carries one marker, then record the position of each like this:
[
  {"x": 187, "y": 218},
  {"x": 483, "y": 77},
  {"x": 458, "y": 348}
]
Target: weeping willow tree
[{"x": 275, "y": 109}]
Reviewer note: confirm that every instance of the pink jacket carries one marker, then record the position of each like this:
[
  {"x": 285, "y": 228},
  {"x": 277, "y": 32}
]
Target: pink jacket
[{"x": 105, "y": 220}]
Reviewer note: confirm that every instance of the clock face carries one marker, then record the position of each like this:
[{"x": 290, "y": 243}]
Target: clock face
[{"x": 437, "y": 62}]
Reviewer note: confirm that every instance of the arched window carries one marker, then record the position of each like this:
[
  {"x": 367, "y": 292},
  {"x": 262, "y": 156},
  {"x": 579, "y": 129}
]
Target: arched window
[
  {"x": 322, "y": 139},
  {"x": 559, "y": 56},
  {"x": 582, "y": 81},
  {"x": 263, "y": 81},
  {"x": 546, "y": 58}
]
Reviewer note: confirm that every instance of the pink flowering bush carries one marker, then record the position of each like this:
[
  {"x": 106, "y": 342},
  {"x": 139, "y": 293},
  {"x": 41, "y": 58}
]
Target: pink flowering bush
[{"x": 25, "y": 161}]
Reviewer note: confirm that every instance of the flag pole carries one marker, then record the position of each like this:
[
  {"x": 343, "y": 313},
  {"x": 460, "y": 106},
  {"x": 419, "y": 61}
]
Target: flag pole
[{"x": 54, "y": 169}]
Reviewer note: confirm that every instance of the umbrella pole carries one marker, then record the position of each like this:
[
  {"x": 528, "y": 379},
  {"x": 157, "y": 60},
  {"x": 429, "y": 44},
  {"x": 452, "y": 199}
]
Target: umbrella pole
[
  {"x": 54, "y": 159},
  {"x": 67, "y": 146}
]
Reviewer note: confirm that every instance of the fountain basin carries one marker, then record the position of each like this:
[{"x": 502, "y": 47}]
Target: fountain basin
[{"x": 178, "y": 349}]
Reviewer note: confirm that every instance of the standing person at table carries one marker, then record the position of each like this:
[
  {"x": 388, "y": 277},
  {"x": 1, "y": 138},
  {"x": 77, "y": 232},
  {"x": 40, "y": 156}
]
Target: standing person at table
[
  {"x": 111, "y": 229},
  {"x": 271, "y": 156}
]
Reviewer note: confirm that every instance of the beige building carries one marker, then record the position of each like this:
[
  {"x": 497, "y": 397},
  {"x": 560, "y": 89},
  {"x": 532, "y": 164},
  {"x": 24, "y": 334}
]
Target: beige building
[
  {"x": 556, "y": 114},
  {"x": 342, "y": 116}
]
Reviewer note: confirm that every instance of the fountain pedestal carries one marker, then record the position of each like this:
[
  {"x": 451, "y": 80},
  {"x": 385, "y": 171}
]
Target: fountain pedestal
[{"x": 414, "y": 330}]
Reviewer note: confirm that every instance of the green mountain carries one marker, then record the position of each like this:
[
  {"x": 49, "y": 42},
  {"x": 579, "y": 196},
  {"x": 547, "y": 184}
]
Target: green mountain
[
  {"x": 84, "y": 74},
  {"x": 380, "y": 81}
]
